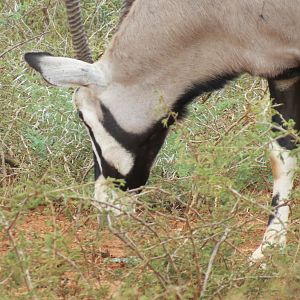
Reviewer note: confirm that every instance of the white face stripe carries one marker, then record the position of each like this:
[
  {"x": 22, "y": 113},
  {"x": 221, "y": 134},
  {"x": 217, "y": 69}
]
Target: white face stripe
[
  {"x": 112, "y": 151},
  {"x": 283, "y": 167}
]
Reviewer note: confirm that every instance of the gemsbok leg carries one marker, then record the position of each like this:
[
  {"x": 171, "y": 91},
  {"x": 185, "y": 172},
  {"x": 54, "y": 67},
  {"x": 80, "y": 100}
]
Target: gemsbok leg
[{"x": 285, "y": 92}]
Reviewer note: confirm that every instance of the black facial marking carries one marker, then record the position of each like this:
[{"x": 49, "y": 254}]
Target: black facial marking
[
  {"x": 143, "y": 146},
  {"x": 33, "y": 59},
  {"x": 98, "y": 149},
  {"x": 145, "y": 155},
  {"x": 128, "y": 140},
  {"x": 275, "y": 202},
  {"x": 97, "y": 169},
  {"x": 107, "y": 169},
  {"x": 146, "y": 145}
]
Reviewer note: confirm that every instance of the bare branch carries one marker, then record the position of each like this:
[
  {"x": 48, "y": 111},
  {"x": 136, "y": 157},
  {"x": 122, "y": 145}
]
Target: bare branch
[
  {"x": 211, "y": 261},
  {"x": 20, "y": 255},
  {"x": 22, "y": 43},
  {"x": 133, "y": 247}
]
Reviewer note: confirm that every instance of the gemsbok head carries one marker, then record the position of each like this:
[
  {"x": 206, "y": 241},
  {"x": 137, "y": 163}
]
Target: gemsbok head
[{"x": 163, "y": 55}]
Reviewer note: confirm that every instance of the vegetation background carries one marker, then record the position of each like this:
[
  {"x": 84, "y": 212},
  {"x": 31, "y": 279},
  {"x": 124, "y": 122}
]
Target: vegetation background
[{"x": 199, "y": 218}]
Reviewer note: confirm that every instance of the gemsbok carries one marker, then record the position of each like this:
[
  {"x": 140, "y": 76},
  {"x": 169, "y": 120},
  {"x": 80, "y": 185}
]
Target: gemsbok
[{"x": 175, "y": 50}]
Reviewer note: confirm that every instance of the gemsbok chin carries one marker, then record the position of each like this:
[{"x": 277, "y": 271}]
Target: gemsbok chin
[{"x": 175, "y": 50}]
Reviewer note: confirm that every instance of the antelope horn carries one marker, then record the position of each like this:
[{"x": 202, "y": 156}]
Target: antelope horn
[{"x": 79, "y": 38}]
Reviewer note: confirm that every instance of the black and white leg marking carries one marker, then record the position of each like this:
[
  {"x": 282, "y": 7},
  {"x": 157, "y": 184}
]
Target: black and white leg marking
[
  {"x": 285, "y": 93},
  {"x": 283, "y": 169}
]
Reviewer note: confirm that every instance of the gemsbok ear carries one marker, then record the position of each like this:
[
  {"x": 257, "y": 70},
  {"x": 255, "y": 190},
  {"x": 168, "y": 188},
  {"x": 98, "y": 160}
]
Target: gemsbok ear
[{"x": 65, "y": 72}]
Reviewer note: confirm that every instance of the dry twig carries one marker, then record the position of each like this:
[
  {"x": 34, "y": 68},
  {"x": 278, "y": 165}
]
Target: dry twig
[
  {"x": 22, "y": 43},
  {"x": 211, "y": 261},
  {"x": 20, "y": 255}
]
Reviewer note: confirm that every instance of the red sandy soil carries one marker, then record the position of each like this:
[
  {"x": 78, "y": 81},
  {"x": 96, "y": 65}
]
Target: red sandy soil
[{"x": 36, "y": 224}]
